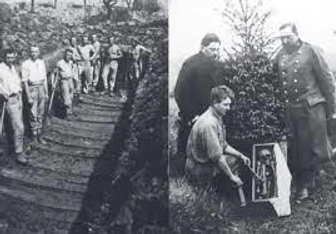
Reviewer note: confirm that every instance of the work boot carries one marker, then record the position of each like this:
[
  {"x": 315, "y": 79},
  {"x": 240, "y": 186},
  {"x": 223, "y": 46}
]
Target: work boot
[
  {"x": 21, "y": 158},
  {"x": 302, "y": 195}
]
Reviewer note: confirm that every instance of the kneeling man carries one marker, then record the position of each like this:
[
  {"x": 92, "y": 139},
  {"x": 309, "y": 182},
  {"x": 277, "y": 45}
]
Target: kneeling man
[{"x": 208, "y": 152}]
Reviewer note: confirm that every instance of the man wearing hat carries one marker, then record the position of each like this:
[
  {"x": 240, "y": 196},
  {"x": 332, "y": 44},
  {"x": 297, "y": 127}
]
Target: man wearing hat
[
  {"x": 198, "y": 75},
  {"x": 309, "y": 92}
]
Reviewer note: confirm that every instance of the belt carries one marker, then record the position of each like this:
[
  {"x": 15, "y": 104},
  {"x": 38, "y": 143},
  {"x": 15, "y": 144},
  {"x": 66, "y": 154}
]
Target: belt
[
  {"x": 35, "y": 84},
  {"x": 13, "y": 95}
]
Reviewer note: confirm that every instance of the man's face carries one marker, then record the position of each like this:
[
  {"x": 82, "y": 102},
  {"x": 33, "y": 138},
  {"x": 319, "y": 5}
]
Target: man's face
[
  {"x": 288, "y": 39},
  {"x": 34, "y": 52},
  {"x": 85, "y": 41},
  {"x": 111, "y": 40},
  {"x": 68, "y": 56},
  {"x": 223, "y": 106},
  {"x": 212, "y": 50},
  {"x": 10, "y": 58},
  {"x": 94, "y": 38},
  {"x": 73, "y": 41}
]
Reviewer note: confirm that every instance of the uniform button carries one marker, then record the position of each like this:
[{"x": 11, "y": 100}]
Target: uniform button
[{"x": 295, "y": 80}]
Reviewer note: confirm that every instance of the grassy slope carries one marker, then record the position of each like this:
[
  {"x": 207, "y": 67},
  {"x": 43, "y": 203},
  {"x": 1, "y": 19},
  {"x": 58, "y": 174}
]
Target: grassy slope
[{"x": 194, "y": 212}]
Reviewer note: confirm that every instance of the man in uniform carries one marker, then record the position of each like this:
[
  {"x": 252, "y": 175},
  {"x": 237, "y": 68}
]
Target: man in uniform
[
  {"x": 34, "y": 78},
  {"x": 208, "y": 153},
  {"x": 11, "y": 95},
  {"x": 309, "y": 91},
  {"x": 87, "y": 53},
  {"x": 110, "y": 68},
  {"x": 65, "y": 70},
  {"x": 198, "y": 75},
  {"x": 96, "y": 62}
]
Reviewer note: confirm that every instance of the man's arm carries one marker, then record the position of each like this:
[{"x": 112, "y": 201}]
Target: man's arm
[
  {"x": 45, "y": 84},
  {"x": 25, "y": 75},
  {"x": 326, "y": 80},
  {"x": 232, "y": 151}
]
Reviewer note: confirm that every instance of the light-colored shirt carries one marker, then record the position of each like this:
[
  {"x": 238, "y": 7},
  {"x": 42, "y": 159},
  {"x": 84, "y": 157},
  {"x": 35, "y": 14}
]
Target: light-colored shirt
[
  {"x": 34, "y": 71},
  {"x": 75, "y": 54},
  {"x": 10, "y": 82},
  {"x": 96, "y": 47},
  {"x": 65, "y": 69},
  {"x": 136, "y": 52},
  {"x": 207, "y": 139},
  {"x": 85, "y": 52},
  {"x": 114, "y": 52}
]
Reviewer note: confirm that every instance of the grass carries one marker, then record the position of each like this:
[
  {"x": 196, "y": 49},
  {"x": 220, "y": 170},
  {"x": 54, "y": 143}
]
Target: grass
[{"x": 196, "y": 211}]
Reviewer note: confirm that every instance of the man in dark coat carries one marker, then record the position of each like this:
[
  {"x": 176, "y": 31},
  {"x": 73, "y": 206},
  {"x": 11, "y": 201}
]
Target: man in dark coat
[
  {"x": 198, "y": 75},
  {"x": 309, "y": 90}
]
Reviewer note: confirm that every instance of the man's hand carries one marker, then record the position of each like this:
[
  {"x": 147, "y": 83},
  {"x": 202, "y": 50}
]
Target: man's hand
[
  {"x": 30, "y": 101},
  {"x": 235, "y": 179},
  {"x": 4, "y": 97},
  {"x": 245, "y": 159},
  {"x": 333, "y": 116}
]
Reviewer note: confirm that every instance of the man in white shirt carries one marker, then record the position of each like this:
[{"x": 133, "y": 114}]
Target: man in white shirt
[
  {"x": 65, "y": 69},
  {"x": 34, "y": 78},
  {"x": 76, "y": 58},
  {"x": 137, "y": 51},
  {"x": 10, "y": 93},
  {"x": 87, "y": 53},
  {"x": 110, "y": 68},
  {"x": 96, "y": 63}
]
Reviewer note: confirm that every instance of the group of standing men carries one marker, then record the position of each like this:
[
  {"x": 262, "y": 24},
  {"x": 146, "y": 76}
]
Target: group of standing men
[
  {"x": 78, "y": 72},
  {"x": 309, "y": 92}
]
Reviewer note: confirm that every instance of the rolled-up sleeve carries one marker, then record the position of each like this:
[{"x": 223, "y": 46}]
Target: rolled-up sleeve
[{"x": 213, "y": 145}]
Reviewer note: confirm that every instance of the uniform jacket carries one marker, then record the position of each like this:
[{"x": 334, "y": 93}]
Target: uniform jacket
[
  {"x": 306, "y": 77},
  {"x": 198, "y": 75}
]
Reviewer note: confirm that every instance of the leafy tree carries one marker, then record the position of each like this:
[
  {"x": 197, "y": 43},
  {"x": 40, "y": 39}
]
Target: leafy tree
[{"x": 258, "y": 114}]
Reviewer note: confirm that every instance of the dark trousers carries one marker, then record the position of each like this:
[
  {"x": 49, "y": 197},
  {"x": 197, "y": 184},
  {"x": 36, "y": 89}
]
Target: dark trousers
[{"x": 309, "y": 141}]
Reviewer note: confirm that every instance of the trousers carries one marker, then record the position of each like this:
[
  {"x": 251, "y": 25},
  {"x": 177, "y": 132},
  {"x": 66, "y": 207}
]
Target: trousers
[
  {"x": 36, "y": 110},
  {"x": 14, "y": 123},
  {"x": 109, "y": 74},
  {"x": 67, "y": 90}
]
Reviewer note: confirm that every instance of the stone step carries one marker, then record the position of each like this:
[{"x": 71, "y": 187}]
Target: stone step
[
  {"x": 78, "y": 132},
  {"x": 95, "y": 127},
  {"x": 77, "y": 142},
  {"x": 86, "y": 110},
  {"x": 100, "y": 103},
  {"x": 63, "y": 201},
  {"x": 67, "y": 150},
  {"x": 98, "y": 97},
  {"x": 77, "y": 166},
  {"x": 34, "y": 177},
  {"x": 81, "y": 117},
  {"x": 31, "y": 212}
]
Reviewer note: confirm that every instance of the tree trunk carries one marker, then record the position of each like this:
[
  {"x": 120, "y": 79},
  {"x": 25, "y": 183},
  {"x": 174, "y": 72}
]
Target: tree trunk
[{"x": 55, "y": 4}]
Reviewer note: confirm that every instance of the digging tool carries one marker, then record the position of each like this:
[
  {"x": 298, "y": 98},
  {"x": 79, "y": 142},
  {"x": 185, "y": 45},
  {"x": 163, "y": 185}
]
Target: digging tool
[
  {"x": 51, "y": 99},
  {"x": 241, "y": 196},
  {"x": 2, "y": 116}
]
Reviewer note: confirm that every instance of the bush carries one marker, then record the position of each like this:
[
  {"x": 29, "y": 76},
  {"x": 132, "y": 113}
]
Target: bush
[{"x": 258, "y": 111}]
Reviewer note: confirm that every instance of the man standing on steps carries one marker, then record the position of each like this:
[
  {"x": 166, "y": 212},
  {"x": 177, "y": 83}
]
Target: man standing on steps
[
  {"x": 87, "y": 53},
  {"x": 110, "y": 68},
  {"x": 96, "y": 62},
  {"x": 34, "y": 78},
  {"x": 65, "y": 70},
  {"x": 137, "y": 52},
  {"x": 76, "y": 59},
  {"x": 11, "y": 96}
]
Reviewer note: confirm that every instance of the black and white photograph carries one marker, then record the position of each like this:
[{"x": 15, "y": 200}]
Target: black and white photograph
[
  {"x": 84, "y": 116},
  {"x": 252, "y": 111}
]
